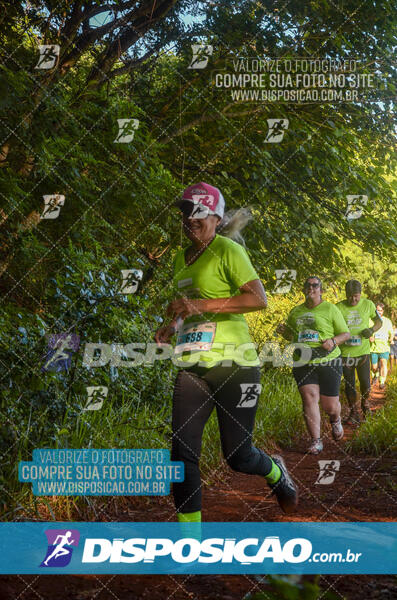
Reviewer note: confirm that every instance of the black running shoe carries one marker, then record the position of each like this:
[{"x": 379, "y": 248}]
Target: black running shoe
[
  {"x": 285, "y": 489},
  {"x": 353, "y": 418},
  {"x": 365, "y": 407}
]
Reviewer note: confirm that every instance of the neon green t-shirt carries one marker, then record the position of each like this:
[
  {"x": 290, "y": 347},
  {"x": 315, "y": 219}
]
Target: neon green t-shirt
[
  {"x": 312, "y": 326},
  {"x": 357, "y": 318},
  {"x": 383, "y": 337},
  {"x": 218, "y": 272}
]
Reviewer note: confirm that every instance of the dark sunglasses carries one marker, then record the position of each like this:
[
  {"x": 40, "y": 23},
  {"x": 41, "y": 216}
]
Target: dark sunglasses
[
  {"x": 313, "y": 285},
  {"x": 186, "y": 208},
  {"x": 194, "y": 211}
]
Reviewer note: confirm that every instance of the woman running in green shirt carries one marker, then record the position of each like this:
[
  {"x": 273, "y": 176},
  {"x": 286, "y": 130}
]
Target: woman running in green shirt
[
  {"x": 219, "y": 365},
  {"x": 320, "y": 326},
  {"x": 380, "y": 347}
]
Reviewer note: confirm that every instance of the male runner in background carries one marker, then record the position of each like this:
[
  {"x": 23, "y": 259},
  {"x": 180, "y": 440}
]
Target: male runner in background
[
  {"x": 380, "y": 347},
  {"x": 357, "y": 312}
]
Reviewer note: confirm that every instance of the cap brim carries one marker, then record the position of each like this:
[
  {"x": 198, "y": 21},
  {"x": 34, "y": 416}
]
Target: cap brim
[{"x": 179, "y": 203}]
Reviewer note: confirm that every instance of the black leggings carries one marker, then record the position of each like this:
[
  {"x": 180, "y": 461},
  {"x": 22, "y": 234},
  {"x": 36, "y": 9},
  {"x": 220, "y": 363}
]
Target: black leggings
[
  {"x": 234, "y": 391},
  {"x": 362, "y": 366}
]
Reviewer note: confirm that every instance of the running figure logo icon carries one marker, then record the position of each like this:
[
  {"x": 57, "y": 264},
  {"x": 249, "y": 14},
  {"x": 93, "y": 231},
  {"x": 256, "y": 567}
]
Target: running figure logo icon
[
  {"x": 250, "y": 393},
  {"x": 127, "y": 128},
  {"x": 285, "y": 279},
  {"x": 328, "y": 470},
  {"x": 355, "y": 206},
  {"x": 131, "y": 279},
  {"x": 48, "y": 56},
  {"x": 52, "y": 206},
  {"x": 202, "y": 197},
  {"x": 199, "y": 212},
  {"x": 59, "y": 551},
  {"x": 61, "y": 347},
  {"x": 201, "y": 54},
  {"x": 277, "y": 128},
  {"x": 96, "y": 395}
]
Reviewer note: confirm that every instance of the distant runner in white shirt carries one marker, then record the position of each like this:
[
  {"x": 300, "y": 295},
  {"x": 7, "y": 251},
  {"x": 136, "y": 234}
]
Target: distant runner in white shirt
[{"x": 380, "y": 347}]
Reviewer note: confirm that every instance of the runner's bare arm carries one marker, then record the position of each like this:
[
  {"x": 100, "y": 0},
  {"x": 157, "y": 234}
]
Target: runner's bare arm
[
  {"x": 251, "y": 298},
  {"x": 368, "y": 332},
  {"x": 338, "y": 339},
  {"x": 284, "y": 330},
  {"x": 377, "y": 322}
]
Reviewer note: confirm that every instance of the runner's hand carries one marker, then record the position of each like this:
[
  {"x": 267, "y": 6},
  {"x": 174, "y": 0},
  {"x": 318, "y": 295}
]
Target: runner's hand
[
  {"x": 281, "y": 328},
  {"x": 367, "y": 333},
  {"x": 328, "y": 345},
  {"x": 184, "y": 307},
  {"x": 164, "y": 334}
]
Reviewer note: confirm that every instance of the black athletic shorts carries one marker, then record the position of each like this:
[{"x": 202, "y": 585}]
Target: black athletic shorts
[
  {"x": 327, "y": 376},
  {"x": 234, "y": 393}
]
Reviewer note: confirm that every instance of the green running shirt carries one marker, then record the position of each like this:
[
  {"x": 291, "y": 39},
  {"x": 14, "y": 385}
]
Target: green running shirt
[
  {"x": 357, "y": 318},
  {"x": 312, "y": 326},
  {"x": 382, "y": 337},
  {"x": 218, "y": 272}
]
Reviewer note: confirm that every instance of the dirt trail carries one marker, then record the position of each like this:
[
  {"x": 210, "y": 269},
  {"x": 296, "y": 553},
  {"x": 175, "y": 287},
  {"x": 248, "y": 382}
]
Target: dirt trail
[{"x": 362, "y": 491}]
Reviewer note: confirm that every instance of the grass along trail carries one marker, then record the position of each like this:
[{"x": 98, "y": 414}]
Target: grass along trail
[{"x": 363, "y": 488}]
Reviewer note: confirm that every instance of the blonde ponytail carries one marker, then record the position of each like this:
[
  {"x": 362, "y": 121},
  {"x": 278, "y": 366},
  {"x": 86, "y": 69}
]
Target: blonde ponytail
[{"x": 233, "y": 223}]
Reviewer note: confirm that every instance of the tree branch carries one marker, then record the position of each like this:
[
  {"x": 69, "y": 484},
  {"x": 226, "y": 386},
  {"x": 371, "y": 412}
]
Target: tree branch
[
  {"x": 116, "y": 8},
  {"x": 84, "y": 41},
  {"x": 132, "y": 64},
  {"x": 139, "y": 22},
  {"x": 205, "y": 119},
  {"x": 73, "y": 23}
]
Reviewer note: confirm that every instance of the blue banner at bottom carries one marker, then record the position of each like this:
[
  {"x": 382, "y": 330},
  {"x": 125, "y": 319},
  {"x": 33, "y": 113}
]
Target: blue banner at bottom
[{"x": 207, "y": 548}]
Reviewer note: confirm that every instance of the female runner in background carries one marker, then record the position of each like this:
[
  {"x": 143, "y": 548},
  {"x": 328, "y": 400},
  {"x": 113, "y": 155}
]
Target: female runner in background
[{"x": 319, "y": 325}]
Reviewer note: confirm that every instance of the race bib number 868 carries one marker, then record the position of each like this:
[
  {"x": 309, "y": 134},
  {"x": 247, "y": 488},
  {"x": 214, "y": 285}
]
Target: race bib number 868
[{"x": 196, "y": 336}]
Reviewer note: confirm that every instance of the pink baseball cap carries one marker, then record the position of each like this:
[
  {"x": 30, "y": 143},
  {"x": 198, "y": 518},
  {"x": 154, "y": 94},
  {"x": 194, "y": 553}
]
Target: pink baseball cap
[{"x": 207, "y": 198}]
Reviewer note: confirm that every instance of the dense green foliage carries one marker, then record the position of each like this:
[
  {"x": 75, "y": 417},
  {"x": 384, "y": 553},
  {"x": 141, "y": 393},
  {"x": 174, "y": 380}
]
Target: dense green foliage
[{"x": 133, "y": 419}]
